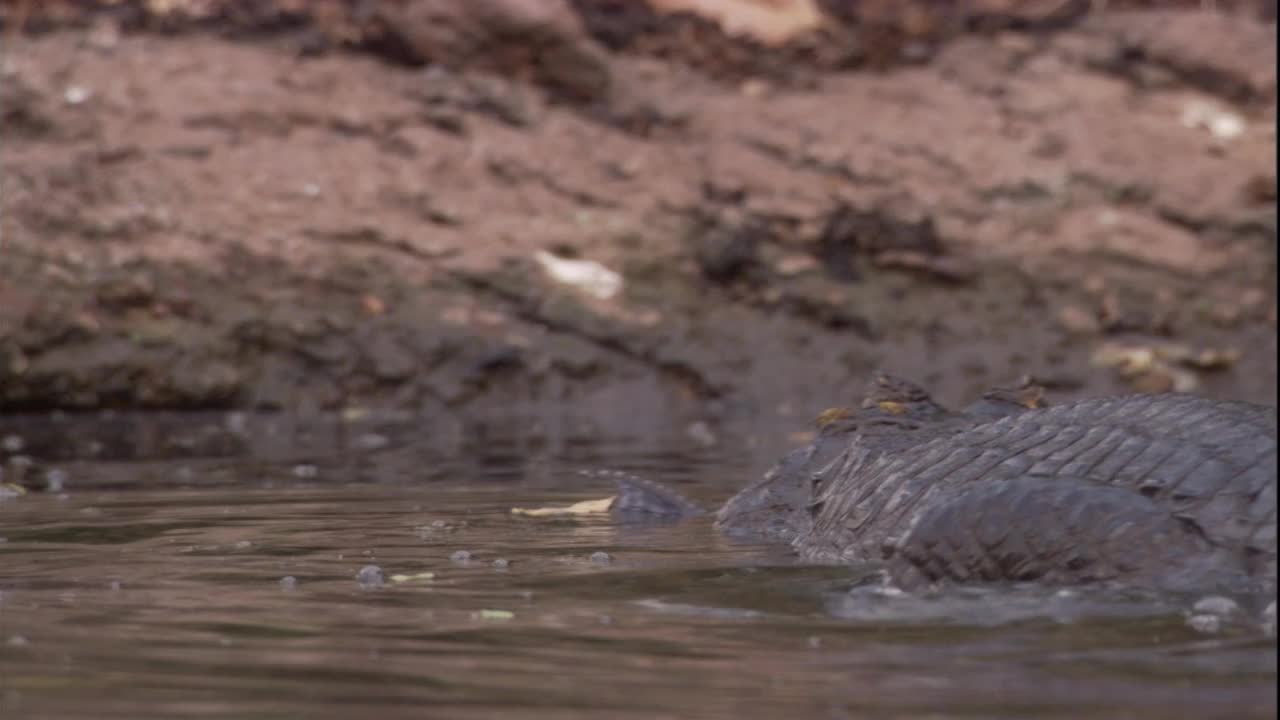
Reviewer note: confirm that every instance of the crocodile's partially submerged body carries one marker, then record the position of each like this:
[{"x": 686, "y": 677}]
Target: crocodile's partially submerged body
[{"x": 1168, "y": 490}]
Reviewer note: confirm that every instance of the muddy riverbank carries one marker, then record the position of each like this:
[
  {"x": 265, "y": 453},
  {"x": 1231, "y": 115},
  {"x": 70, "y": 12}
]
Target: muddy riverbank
[{"x": 215, "y": 216}]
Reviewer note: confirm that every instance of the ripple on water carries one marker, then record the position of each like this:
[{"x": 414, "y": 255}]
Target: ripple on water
[{"x": 212, "y": 579}]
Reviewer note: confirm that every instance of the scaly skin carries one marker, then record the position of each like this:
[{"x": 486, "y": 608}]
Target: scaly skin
[{"x": 1169, "y": 490}]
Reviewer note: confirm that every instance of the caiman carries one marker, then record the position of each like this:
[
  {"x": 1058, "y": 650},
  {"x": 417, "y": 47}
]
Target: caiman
[{"x": 1169, "y": 490}]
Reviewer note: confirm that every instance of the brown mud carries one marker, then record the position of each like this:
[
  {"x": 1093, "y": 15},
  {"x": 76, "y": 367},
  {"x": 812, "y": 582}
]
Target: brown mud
[{"x": 307, "y": 211}]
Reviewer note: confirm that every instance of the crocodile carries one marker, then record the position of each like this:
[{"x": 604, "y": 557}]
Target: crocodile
[{"x": 1169, "y": 490}]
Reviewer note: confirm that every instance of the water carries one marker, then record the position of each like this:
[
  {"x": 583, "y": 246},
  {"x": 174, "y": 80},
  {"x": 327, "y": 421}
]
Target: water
[{"x": 144, "y": 574}]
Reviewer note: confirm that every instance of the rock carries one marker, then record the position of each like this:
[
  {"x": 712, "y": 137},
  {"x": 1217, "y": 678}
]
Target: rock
[
  {"x": 1078, "y": 321},
  {"x": 370, "y": 576}
]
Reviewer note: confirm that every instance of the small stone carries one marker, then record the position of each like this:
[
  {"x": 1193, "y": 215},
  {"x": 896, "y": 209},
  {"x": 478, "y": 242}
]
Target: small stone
[
  {"x": 370, "y": 576},
  {"x": 76, "y": 95},
  {"x": 371, "y": 441},
  {"x": 236, "y": 423},
  {"x": 601, "y": 557},
  {"x": 460, "y": 556},
  {"x": 1075, "y": 319},
  {"x": 288, "y": 583}
]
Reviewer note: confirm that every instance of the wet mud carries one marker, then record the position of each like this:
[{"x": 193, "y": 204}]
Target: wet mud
[{"x": 379, "y": 209}]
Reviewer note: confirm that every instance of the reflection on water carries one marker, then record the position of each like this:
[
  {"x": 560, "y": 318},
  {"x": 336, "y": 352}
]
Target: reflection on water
[{"x": 141, "y": 576}]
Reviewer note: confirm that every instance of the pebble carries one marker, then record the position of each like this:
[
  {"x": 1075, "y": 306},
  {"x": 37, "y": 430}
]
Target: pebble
[
  {"x": 76, "y": 94},
  {"x": 370, "y": 576},
  {"x": 305, "y": 471},
  {"x": 54, "y": 480},
  {"x": 371, "y": 441}
]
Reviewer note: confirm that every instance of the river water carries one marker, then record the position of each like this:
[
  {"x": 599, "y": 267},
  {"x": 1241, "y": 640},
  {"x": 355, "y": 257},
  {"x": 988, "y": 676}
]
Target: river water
[{"x": 206, "y": 566}]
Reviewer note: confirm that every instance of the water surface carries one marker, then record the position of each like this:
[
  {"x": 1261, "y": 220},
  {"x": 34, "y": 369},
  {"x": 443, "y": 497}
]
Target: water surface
[{"x": 205, "y": 566}]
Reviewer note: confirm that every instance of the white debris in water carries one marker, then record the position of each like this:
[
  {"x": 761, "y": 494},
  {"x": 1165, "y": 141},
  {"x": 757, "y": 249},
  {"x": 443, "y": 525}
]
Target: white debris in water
[
  {"x": 288, "y": 583},
  {"x": 17, "y": 641},
  {"x": 701, "y": 433},
  {"x": 12, "y": 443},
  {"x": 460, "y": 556},
  {"x": 115, "y": 586},
  {"x": 311, "y": 190},
  {"x": 1220, "y": 123},
  {"x": 601, "y": 557},
  {"x": 1215, "y": 605},
  {"x": 586, "y": 275},
  {"x": 1269, "y": 619},
  {"x": 55, "y": 479},
  {"x": 243, "y": 545},
  {"x": 501, "y": 564}
]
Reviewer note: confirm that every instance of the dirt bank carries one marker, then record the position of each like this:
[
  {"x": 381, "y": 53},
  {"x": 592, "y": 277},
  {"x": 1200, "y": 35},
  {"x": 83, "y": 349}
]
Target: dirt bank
[{"x": 217, "y": 216}]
